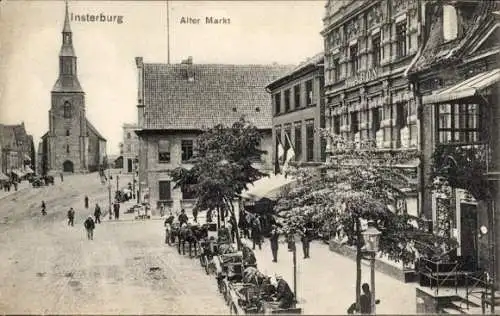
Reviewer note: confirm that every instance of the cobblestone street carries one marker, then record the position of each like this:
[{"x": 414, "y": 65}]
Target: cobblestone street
[{"x": 49, "y": 267}]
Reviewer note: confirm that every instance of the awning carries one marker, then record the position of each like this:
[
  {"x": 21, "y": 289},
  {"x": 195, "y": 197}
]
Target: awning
[
  {"x": 464, "y": 89},
  {"x": 267, "y": 187},
  {"x": 3, "y": 177}
]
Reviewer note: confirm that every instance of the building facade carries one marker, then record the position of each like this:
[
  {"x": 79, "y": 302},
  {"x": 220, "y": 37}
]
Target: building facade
[
  {"x": 456, "y": 77},
  {"x": 298, "y": 111},
  {"x": 72, "y": 143},
  {"x": 129, "y": 149},
  {"x": 368, "y": 47},
  {"x": 17, "y": 150},
  {"x": 176, "y": 102}
]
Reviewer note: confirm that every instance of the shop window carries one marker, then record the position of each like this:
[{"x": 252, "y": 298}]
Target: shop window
[
  {"x": 164, "y": 190},
  {"x": 459, "y": 123},
  {"x": 277, "y": 103},
  {"x": 298, "y": 141},
  {"x": 376, "y": 57},
  {"x": 187, "y": 149},
  {"x": 164, "y": 151},
  {"x": 353, "y": 54},
  {"x": 287, "y": 100},
  {"x": 310, "y": 141},
  {"x": 296, "y": 94},
  {"x": 401, "y": 39},
  {"x": 309, "y": 92}
]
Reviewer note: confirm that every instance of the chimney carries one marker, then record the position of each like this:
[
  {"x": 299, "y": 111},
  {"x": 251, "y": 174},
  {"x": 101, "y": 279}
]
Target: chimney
[
  {"x": 139, "y": 62},
  {"x": 189, "y": 68}
]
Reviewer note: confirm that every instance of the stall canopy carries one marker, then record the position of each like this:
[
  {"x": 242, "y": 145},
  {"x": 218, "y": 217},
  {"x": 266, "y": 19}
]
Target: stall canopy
[
  {"x": 3, "y": 177},
  {"x": 267, "y": 187}
]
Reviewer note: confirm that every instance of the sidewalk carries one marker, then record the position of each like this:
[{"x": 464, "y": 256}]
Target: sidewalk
[
  {"x": 20, "y": 187},
  {"x": 326, "y": 281}
]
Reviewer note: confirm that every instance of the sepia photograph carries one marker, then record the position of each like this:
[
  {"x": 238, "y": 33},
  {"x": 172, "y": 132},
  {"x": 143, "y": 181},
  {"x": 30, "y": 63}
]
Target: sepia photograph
[{"x": 195, "y": 157}]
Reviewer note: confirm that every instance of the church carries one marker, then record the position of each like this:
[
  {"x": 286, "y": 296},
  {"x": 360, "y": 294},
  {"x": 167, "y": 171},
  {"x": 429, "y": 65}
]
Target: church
[{"x": 72, "y": 143}]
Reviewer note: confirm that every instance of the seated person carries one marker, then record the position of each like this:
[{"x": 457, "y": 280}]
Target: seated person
[
  {"x": 248, "y": 256},
  {"x": 284, "y": 295}
]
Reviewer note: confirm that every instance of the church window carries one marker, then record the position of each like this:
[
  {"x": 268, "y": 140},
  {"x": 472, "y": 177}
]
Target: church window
[
  {"x": 67, "y": 149},
  {"x": 67, "y": 109},
  {"x": 67, "y": 132},
  {"x": 67, "y": 67}
]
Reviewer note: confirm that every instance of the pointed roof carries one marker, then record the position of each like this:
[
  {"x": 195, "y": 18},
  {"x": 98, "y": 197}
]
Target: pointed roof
[
  {"x": 66, "y": 28},
  {"x": 92, "y": 129}
]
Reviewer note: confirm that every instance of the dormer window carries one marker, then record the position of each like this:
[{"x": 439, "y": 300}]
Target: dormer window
[{"x": 450, "y": 23}]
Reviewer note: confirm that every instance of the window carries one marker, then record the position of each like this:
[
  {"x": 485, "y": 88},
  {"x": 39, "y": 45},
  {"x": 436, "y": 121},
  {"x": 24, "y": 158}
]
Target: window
[
  {"x": 353, "y": 54},
  {"x": 164, "y": 151},
  {"x": 187, "y": 194},
  {"x": 376, "y": 57},
  {"x": 287, "y": 100},
  {"x": 67, "y": 109},
  {"x": 67, "y": 132},
  {"x": 67, "y": 67},
  {"x": 310, "y": 141},
  {"x": 377, "y": 115},
  {"x": 128, "y": 148},
  {"x": 309, "y": 92},
  {"x": 336, "y": 124},
  {"x": 336, "y": 70},
  {"x": 128, "y": 136},
  {"x": 164, "y": 190},
  {"x": 187, "y": 149},
  {"x": 296, "y": 94},
  {"x": 402, "y": 115},
  {"x": 401, "y": 39},
  {"x": 298, "y": 141},
  {"x": 450, "y": 23},
  {"x": 354, "y": 122},
  {"x": 459, "y": 123},
  {"x": 277, "y": 102}
]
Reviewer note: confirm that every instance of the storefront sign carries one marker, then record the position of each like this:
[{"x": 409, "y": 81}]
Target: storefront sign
[{"x": 361, "y": 77}]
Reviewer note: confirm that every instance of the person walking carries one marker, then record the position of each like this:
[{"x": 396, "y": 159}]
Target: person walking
[
  {"x": 97, "y": 214},
  {"x": 71, "y": 217},
  {"x": 116, "y": 208},
  {"x": 195, "y": 214},
  {"x": 305, "y": 235},
  {"x": 44, "y": 211},
  {"x": 365, "y": 301},
  {"x": 62, "y": 177},
  {"x": 256, "y": 233},
  {"x": 274, "y": 242},
  {"x": 89, "y": 227},
  {"x": 86, "y": 200}
]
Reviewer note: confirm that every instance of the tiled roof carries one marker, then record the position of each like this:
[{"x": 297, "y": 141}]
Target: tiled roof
[
  {"x": 436, "y": 51},
  {"x": 315, "y": 60},
  {"x": 91, "y": 128},
  {"x": 219, "y": 94}
]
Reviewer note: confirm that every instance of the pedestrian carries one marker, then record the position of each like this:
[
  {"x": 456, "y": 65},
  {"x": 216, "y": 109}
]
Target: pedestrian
[
  {"x": 183, "y": 219},
  {"x": 97, "y": 214},
  {"x": 274, "y": 242},
  {"x": 44, "y": 211},
  {"x": 209, "y": 216},
  {"x": 243, "y": 224},
  {"x": 86, "y": 200},
  {"x": 71, "y": 216},
  {"x": 365, "y": 301},
  {"x": 62, "y": 177},
  {"x": 89, "y": 227},
  {"x": 162, "y": 210},
  {"x": 195, "y": 214},
  {"x": 116, "y": 209},
  {"x": 256, "y": 233},
  {"x": 305, "y": 238},
  {"x": 284, "y": 294}
]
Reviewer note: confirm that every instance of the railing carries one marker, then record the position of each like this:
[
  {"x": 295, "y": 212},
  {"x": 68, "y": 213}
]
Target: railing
[
  {"x": 484, "y": 284},
  {"x": 431, "y": 269}
]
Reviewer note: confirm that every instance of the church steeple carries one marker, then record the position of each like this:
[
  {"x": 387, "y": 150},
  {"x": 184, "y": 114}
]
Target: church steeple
[{"x": 68, "y": 80}]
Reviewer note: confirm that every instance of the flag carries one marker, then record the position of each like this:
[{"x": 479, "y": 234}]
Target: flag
[
  {"x": 289, "y": 152},
  {"x": 279, "y": 154}
]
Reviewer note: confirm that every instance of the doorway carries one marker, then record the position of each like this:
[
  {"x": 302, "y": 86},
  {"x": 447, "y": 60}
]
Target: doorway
[
  {"x": 469, "y": 236},
  {"x": 68, "y": 166},
  {"x": 129, "y": 165}
]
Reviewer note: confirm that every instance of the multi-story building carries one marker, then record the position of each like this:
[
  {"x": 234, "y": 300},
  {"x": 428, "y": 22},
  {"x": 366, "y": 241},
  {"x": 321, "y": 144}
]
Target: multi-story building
[
  {"x": 368, "y": 47},
  {"x": 176, "y": 102},
  {"x": 17, "y": 150},
  {"x": 298, "y": 110},
  {"x": 456, "y": 76},
  {"x": 129, "y": 148}
]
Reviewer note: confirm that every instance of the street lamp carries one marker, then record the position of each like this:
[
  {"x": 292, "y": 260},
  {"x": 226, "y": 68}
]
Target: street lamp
[
  {"x": 292, "y": 247},
  {"x": 371, "y": 237}
]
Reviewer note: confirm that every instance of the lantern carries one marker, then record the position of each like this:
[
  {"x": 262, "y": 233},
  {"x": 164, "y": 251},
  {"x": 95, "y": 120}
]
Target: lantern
[{"x": 371, "y": 237}]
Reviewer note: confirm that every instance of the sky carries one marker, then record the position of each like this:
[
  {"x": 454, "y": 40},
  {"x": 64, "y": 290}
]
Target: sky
[{"x": 285, "y": 32}]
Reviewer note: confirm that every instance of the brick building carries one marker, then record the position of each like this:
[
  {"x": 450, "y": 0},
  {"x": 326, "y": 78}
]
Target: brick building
[
  {"x": 456, "y": 75},
  {"x": 298, "y": 110},
  {"x": 177, "y": 101},
  {"x": 72, "y": 143},
  {"x": 368, "y": 47},
  {"x": 129, "y": 149}
]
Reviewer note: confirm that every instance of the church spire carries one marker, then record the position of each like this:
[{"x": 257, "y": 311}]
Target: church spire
[{"x": 66, "y": 28}]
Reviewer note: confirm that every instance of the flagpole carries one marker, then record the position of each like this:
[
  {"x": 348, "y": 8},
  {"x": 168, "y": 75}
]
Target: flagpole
[{"x": 168, "y": 33}]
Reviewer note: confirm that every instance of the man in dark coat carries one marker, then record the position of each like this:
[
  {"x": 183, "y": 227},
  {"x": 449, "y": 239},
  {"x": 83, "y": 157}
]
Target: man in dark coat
[
  {"x": 183, "y": 219},
  {"x": 256, "y": 231},
  {"x": 89, "y": 227},
  {"x": 195, "y": 214},
  {"x": 97, "y": 214},
  {"x": 284, "y": 294},
  {"x": 71, "y": 216},
  {"x": 116, "y": 208},
  {"x": 86, "y": 201},
  {"x": 274, "y": 242},
  {"x": 305, "y": 238}
]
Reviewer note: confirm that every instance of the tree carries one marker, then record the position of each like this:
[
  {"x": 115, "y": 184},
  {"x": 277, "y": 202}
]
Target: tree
[
  {"x": 222, "y": 167},
  {"x": 357, "y": 185}
]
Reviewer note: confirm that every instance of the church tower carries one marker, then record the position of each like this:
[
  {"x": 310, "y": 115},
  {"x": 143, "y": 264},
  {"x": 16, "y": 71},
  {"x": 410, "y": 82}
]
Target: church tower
[{"x": 67, "y": 136}]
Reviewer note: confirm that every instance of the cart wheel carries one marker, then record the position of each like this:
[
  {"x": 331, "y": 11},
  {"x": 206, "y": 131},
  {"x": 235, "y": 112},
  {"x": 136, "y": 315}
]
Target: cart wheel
[{"x": 233, "y": 310}]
